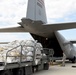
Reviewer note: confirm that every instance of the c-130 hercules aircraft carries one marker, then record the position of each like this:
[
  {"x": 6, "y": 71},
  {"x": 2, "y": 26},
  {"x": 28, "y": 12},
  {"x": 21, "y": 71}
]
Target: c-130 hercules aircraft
[{"x": 36, "y": 24}]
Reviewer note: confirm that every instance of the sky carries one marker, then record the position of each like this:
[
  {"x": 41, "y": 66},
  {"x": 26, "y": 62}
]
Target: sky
[{"x": 57, "y": 11}]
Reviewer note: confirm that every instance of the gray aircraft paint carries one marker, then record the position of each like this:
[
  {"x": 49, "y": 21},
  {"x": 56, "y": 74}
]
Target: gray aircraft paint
[
  {"x": 68, "y": 48},
  {"x": 36, "y": 10},
  {"x": 33, "y": 23}
]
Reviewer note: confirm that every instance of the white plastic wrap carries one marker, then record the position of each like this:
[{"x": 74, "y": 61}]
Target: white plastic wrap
[
  {"x": 39, "y": 45},
  {"x": 24, "y": 58},
  {"x": 2, "y": 58},
  {"x": 30, "y": 54},
  {"x": 13, "y": 53},
  {"x": 13, "y": 44},
  {"x": 30, "y": 43},
  {"x": 37, "y": 61},
  {"x": 22, "y": 42},
  {"x": 29, "y": 58},
  {"x": 10, "y": 59},
  {"x": 28, "y": 48},
  {"x": 1, "y": 49},
  {"x": 24, "y": 52},
  {"x": 38, "y": 54}
]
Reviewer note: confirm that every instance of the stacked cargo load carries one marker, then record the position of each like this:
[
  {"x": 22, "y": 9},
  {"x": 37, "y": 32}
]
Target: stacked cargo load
[{"x": 20, "y": 51}]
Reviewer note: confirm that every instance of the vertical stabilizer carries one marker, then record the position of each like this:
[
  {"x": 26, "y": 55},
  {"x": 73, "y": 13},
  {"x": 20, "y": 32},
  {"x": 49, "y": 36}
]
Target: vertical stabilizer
[{"x": 36, "y": 10}]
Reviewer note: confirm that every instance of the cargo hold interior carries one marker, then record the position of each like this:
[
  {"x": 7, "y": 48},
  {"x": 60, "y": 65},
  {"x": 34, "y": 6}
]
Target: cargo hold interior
[{"x": 50, "y": 43}]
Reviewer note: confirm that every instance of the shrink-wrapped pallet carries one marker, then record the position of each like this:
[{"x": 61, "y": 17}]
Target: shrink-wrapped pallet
[
  {"x": 28, "y": 58},
  {"x": 38, "y": 54},
  {"x": 13, "y": 44},
  {"x": 12, "y": 59},
  {"x": 22, "y": 42},
  {"x": 30, "y": 54},
  {"x": 24, "y": 52},
  {"x": 14, "y": 53},
  {"x": 38, "y": 51},
  {"x": 39, "y": 45},
  {"x": 1, "y": 49},
  {"x": 27, "y": 47},
  {"x": 30, "y": 49},
  {"x": 37, "y": 61},
  {"x": 30, "y": 43},
  {"x": 2, "y": 57},
  {"x": 24, "y": 58}
]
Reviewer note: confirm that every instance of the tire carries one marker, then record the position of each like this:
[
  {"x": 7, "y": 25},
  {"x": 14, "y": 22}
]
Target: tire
[
  {"x": 35, "y": 68},
  {"x": 19, "y": 71},
  {"x": 7, "y": 72},
  {"x": 74, "y": 60},
  {"x": 46, "y": 66}
]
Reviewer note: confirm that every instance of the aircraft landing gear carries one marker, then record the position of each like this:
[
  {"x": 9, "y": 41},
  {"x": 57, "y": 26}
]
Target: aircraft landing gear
[{"x": 74, "y": 60}]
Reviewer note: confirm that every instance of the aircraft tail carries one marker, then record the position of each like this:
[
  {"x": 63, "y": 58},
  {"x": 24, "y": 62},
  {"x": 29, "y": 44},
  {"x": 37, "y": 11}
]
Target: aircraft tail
[{"x": 36, "y": 10}]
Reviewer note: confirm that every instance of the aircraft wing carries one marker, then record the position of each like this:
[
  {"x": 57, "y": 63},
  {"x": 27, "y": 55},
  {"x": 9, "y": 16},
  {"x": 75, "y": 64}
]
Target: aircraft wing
[{"x": 13, "y": 29}]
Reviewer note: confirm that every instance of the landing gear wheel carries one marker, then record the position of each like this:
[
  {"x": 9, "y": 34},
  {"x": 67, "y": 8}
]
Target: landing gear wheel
[
  {"x": 7, "y": 72},
  {"x": 19, "y": 71},
  {"x": 46, "y": 66},
  {"x": 74, "y": 60}
]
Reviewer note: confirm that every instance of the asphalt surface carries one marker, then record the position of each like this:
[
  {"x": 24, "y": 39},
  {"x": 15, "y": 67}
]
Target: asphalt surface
[{"x": 59, "y": 70}]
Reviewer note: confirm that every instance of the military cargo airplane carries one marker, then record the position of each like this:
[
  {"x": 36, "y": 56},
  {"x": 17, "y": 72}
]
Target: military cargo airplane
[{"x": 36, "y": 24}]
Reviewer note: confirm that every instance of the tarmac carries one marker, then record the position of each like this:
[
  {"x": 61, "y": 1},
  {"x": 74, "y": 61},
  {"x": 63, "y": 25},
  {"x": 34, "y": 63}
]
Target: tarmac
[{"x": 57, "y": 69}]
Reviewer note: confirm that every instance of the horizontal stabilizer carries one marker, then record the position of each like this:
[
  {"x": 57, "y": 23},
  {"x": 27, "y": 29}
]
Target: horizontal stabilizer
[
  {"x": 4, "y": 42},
  {"x": 73, "y": 42},
  {"x": 64, "y": 44},
  {"x": 13, "y": 29},
  {"x": 62, "y": 26}
]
